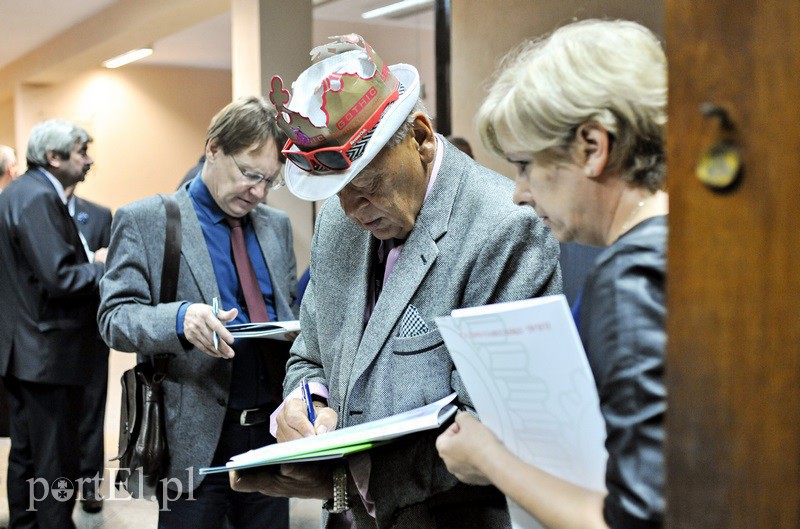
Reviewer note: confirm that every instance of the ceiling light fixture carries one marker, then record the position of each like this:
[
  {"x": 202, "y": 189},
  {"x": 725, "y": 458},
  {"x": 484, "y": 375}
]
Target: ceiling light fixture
[
  {"x": 397, "y": 7},
  {"x": 128, "y": 57}
]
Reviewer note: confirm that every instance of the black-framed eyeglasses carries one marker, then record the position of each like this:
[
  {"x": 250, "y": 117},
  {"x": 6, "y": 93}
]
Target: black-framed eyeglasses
[{"x": 274, "y": 181}]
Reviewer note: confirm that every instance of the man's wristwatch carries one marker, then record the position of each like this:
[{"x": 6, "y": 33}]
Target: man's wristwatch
[{"x": 339, "y": 503}]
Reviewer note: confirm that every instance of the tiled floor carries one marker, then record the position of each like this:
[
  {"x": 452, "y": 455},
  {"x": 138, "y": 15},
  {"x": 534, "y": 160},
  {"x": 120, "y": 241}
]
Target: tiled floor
[{"x": 125, "y": 513}]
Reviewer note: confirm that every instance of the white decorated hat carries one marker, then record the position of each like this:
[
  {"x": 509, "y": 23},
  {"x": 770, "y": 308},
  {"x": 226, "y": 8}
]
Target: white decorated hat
[{"x": 331, "y": 101}]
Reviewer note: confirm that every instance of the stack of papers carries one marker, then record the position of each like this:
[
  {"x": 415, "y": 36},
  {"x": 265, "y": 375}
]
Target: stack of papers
[
  {"x": 275, "y": 330},
  {"x": 527, "y": 374},
  {"x": 340, "y": 443}
]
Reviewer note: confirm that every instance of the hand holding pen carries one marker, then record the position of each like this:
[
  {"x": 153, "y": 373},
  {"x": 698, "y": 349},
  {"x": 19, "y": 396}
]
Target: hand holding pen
[
  {"x": 299, "y": 418},
  {"x": 207, "y": 332}
]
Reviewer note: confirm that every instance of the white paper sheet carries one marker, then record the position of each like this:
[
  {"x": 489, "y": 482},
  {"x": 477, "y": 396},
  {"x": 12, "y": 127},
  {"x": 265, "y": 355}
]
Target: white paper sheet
[
  {"x": 426, "y": 417},
  {"x": 527, "y": 374}
]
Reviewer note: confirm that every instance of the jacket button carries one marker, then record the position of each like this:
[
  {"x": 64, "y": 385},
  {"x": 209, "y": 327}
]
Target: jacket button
[{"x": 221, "y": 401}]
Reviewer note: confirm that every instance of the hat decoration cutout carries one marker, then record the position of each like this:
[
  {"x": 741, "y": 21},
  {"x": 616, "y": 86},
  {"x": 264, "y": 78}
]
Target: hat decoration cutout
[{"x": 345, "y": 85}]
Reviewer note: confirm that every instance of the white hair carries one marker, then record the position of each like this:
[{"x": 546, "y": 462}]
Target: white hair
[
  {"x": 402, "y": 132},
  {"x": 610, "y": 72},
  {"x": 54, "y": 135},
  {"x": 6, "y": 157}
]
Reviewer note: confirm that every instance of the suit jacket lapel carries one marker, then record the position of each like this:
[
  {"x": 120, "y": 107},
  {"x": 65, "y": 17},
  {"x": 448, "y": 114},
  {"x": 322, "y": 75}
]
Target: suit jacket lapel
[
  {"x": 416, "y": 259},
  {"x": 274, "y": 256},
  {"x": 90, "y": 228},
  {"x": 73, "y": 227},
  {"x": 194, "y": 249},
  {"x": 357, "y": 252}
]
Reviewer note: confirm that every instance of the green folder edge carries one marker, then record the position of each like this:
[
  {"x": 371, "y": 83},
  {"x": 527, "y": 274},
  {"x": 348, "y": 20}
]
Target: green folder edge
[{"x": 321, "y": 455}]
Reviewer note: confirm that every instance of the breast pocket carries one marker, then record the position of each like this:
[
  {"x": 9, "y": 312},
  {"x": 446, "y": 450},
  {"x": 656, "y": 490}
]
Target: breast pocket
[
  {"x": 421, "y": 369},
  {"x": 419, "y": 344}
]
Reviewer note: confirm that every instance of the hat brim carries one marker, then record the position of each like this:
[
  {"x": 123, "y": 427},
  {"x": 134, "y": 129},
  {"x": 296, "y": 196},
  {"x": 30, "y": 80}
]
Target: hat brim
[{"x": 313, "y": 186}]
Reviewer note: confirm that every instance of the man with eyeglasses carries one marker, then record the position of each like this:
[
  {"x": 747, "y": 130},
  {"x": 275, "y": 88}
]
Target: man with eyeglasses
[
  {"x": 414, "y": 228},
  {"x": 218, "y": 394}
]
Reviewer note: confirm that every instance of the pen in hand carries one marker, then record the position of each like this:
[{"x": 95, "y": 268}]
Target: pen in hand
[
  {"x": 304, "y": 389},
  {"x": 215, "y": 307}
]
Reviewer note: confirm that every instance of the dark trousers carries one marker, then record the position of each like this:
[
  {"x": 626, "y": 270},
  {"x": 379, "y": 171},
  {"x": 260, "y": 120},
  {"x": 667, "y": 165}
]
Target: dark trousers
[
  {"x": 44, "y": 437},
  {"x": 214, "y": 500},
  {"x": 90, "y": 429}
]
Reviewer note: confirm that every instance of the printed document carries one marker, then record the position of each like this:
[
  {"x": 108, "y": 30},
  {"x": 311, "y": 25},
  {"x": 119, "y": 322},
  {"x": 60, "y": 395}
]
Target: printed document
[
  {"x": 525, "y": 369},
  {"x": 339, "y": 443}
]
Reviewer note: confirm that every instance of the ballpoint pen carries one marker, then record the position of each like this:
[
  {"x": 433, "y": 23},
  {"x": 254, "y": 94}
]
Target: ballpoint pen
[
  {"x": 304, "y": 389},
  {"x": 215, "y": 307}
]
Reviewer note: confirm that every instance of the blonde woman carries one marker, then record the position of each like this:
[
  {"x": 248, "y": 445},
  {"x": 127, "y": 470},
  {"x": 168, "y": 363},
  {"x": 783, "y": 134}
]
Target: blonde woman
[{"x": 581, "y": 114}]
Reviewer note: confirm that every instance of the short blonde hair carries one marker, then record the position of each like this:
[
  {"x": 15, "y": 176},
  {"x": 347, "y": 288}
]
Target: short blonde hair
[{"x": 611, "y": 72}]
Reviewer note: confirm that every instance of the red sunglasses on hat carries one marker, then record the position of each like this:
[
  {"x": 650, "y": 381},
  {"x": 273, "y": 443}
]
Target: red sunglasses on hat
[{"x": 334, "y": 158}]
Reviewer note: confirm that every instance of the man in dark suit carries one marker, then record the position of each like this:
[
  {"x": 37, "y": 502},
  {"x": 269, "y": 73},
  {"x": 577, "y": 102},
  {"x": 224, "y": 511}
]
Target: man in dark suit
[
  {"x": 49, "y": 284},
  {"x": 94, "y": 224}
]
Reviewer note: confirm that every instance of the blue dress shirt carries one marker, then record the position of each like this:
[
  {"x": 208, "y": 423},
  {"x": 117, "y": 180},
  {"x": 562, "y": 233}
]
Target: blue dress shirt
[{"x": 249, "y": 387}]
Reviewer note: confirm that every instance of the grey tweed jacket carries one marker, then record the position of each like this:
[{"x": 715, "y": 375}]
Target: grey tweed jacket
[
  {"x": 197, "y": 386},
  {"x": 470, "y": 246}
]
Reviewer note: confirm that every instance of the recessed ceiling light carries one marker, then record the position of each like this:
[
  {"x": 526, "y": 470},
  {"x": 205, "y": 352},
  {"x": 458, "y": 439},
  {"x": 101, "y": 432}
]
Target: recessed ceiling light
[
  {"x": 397, "y": 7},
  {"x": 128, "y": 57}
]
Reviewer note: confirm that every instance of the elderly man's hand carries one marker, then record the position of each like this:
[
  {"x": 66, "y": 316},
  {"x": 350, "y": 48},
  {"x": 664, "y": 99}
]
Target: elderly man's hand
[
  {"x": 302, "y": 480},
  {"x": 293, "y": 421},
  {"x": 199, "y": 324}
]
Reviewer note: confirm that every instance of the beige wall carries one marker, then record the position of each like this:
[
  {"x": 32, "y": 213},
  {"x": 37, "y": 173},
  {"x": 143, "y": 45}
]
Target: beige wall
[
  {"x": 7, "y": 122},
  {"x": 478, "y": 48},
  {"x": 148, "y": 124}
]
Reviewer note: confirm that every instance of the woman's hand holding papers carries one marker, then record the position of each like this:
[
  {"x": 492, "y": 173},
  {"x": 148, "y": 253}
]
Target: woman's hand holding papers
[
  {"x": 464, "y": 445},
  {"x": 293, "y": 421},
  {"x": 475, "y": 455}
]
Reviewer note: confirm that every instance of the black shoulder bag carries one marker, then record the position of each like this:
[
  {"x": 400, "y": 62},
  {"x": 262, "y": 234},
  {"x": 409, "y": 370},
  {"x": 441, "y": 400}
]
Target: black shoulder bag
[{"x": 143, "y": 455}]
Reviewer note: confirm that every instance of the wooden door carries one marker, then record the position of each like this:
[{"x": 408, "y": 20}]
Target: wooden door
[{"x": 733, "y": 369}]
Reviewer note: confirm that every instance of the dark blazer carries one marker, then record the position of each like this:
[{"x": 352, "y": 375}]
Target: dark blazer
[
  {"x": 94, "y": 222},
  {"x": 197, "y": 386},
  {"x": 622, "y": 320},
  {"x": 47, "y": 285}
]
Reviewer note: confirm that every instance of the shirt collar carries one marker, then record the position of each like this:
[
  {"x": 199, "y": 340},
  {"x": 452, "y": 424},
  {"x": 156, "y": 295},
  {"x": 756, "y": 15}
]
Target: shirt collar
[
  {"x": 56, "y": 184},
  {"x": 207, "y": 204},
  {"x": 71, "y": 205},
  {"x": 437, "y": 164}
]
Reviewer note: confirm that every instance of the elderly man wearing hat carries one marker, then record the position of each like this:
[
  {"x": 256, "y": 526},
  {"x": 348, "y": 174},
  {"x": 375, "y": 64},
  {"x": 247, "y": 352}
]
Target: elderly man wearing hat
[{"x": 418, "y": 230}]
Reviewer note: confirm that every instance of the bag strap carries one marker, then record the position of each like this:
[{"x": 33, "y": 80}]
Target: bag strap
[{"x": 169, "y": 269}]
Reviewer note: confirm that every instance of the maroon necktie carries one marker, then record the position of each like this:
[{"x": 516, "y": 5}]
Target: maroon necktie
[{"x": 256, "y": 308}]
